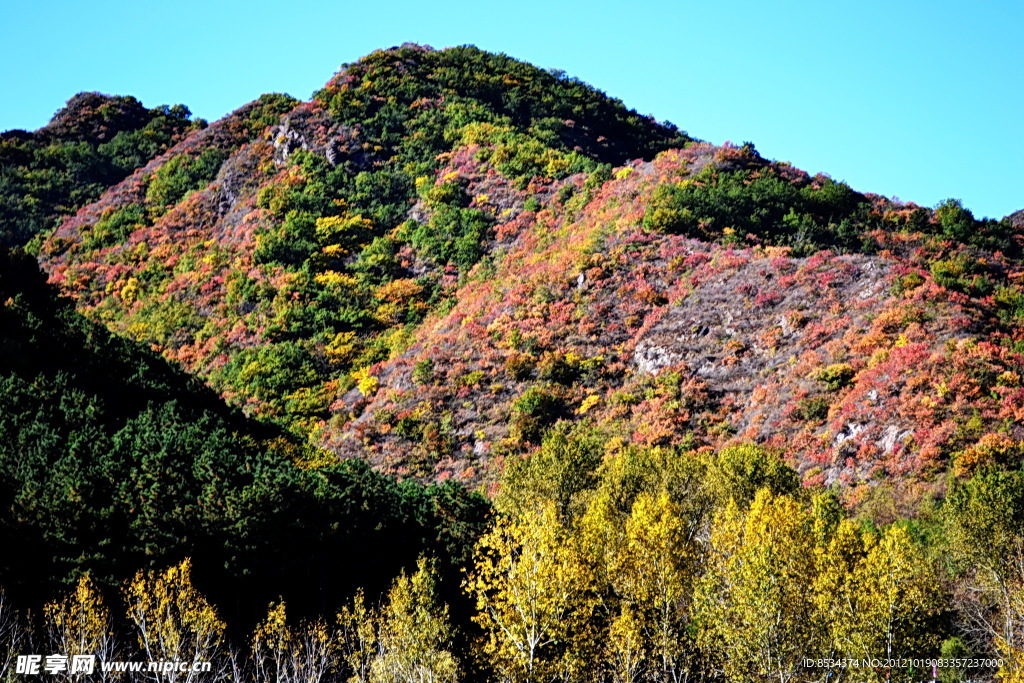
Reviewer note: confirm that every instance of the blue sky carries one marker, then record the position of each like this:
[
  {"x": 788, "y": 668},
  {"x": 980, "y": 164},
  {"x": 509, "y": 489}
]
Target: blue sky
[{"x": 921, "y": 100}]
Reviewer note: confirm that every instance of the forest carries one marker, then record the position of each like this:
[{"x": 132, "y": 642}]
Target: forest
[{"x": 464, "y": 371}]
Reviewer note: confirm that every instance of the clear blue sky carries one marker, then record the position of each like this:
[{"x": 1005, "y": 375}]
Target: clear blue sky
[{"x": 922, "y": 99}]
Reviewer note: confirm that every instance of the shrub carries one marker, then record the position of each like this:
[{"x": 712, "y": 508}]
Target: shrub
[
  {"x": 536, "y": 409},
  {"x": 837, "y": 376}
]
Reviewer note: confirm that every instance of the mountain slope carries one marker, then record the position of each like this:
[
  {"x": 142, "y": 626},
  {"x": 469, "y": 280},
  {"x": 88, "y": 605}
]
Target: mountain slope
[
  {"x": 446, "y": 252},
  {"x": 93, "y": 142},
  {"x": 111, "y": 461}
]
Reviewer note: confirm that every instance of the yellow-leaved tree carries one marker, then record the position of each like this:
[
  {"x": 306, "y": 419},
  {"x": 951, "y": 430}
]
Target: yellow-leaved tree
[
  {"x": 984, "y": 520},
  {"x": 357, "y": 639},
  {"x": 533, "y": 595},
  {"x": 80, "y": 625},
  {"x": 414, "y": 637},
  {"x": 174, "y": 622},
  {"x": 653, "y": 575},
  {"x": 836, "y": 591},
  {"x": 900, "y": 598},
  {"x": 281, "y": 654},
  {"x": 879, "y": 597},
  {"x": 754, "y": 602}
]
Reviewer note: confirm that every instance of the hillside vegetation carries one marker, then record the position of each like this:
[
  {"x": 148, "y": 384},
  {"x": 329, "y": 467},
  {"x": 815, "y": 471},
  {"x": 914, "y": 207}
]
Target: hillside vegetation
[{"x": 728, "y": 417}]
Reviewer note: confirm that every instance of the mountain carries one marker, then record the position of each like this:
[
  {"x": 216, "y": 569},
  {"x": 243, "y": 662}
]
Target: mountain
[
  {"x": 425, "y": 270},
  {"x": 91, "y": 143}
]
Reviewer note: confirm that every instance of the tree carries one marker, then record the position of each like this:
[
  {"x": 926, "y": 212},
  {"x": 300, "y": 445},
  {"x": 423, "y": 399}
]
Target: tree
[
  {"x": 754, "y": 602},
  {"x": 840, "y": 552},
  {"x": 878, "y": 596},
  {"x": 531, "y": 589},
  {"x": 358, "y": 638},
  {"x": 174, "y": 621},
  {"x": 739, "y": 472},
  {"x": 12, "y": 636},
  {"x": 80, "y": 625},
  {"x": 415, "y": 634},
  {"x": 626, "y": 653},
  {"x": 283, "y": 655},
  {"x": 561, "y": 471},
  {"x": 956, "y": 222},
  {"x": 983, "y": 519},
  {"x": 654, "y": 574},
  {"x": 899, "y": 599}
]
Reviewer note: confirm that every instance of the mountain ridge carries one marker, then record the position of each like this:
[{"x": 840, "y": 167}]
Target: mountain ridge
[{"x": 337, "y": 240}]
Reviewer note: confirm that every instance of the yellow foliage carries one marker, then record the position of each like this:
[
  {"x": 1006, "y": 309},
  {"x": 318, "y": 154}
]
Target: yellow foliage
[
  {"x": 334, "y": 251},
  {"x": 400, "y": 290},
  {"x": 755, "y": 598},
  {"x": 388, "y": 314},
  {"x": 367, "y": 383},
  {"x": 80, "y": 624},
  {"x": 130, "y": 291},
  {"x": 414, "y": 633},
  {"x": 312, "y": 400},
  {"x": 992, "y": 449},
  {"x": 173, "y": 620},
  {"x": 1008, "y": 378},
  {"x": 479, "y": 133},
  {"x": 654, "y": 573},
  {"x": 878, "y": 357},
  {"x": 340, "y": 282},
  {"x": 588, "y": 403},
  {"x": 281, "y": 654},
  {"x": 358, "y": 639},
  {"x": 333, "y": 229},
  {"x": 531, "y": 588},
  {"x": 626, "y": 652},
  {"x": 342, "y": 349}
]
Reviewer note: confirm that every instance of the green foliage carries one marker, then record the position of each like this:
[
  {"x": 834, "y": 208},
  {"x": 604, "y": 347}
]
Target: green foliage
[
  {"x": 423, "y": 371},
  {"x": 114, "y": 226},
  {"x": 1010, "y": 302},
  {"x": 957, "y": 223},
  {"x": 91, "y": 144},
  {"x": 732, "y": 204},
  {"x": 963, "y": 274},
  {"x": 836, "y": 376},
  {"x": 180, "y": 175},
  {"x": 813, "y": 408},
  {"x": 536, "y": 409},
  {"x": 561, "y": 471},
  {"x": 738, "y": 472},
  {"x": 453, "y": 235},
  {"x": 500, "y": 90},
  {"x": 267, "y": 111},
  {"x": 111, "y": 461},
  {"x": 984, "y": 517}
]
